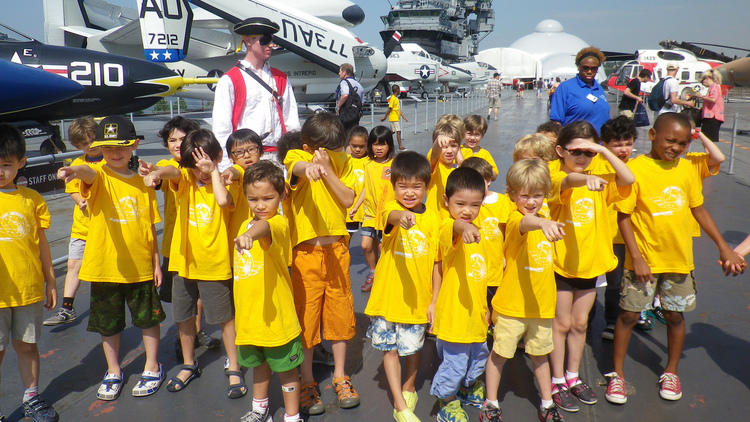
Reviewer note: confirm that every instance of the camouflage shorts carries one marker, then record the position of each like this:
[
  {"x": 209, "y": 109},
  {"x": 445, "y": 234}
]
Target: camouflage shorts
[
  {"x": 676, "y": 292},
  {"x": 108, "y": 306}
]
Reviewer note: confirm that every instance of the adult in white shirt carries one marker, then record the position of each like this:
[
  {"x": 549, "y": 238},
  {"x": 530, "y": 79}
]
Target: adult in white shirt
[
  {"x": 672, "y": 92},
  {"x": 262, "y": 111}
]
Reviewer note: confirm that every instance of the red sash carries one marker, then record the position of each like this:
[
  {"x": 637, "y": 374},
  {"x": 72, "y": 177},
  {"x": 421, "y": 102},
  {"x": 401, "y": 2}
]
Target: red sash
[{"x": 240, "y": 94}]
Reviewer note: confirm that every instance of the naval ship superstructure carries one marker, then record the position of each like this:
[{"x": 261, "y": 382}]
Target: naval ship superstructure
[{"x": 451, "y": 29}]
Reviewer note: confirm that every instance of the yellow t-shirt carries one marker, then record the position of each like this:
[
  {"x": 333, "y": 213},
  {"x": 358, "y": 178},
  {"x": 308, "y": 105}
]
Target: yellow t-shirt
[
  {"x": 598, "y": 167},
  {"x": 358, "y": 173},
  {"x": 263, "y": 299},
  {"x": 395, "y": 105},
  {"x": 461, "y": 308},
  {"x": 316, "y": 211},
  {"x": 23, "y": 213},
  {"x": 435, "y": 191},
  {"x": 378, "y": 192},
  {"x": 528, "y": 288},
  {"x": 241, "y": 210},
  {"x": 200, "y": 243},
  {"x": 699, "y": 160},
  {"x": 121, "y": 243},
  {"x": 663, "y": 194},
  {"x": 170, "y": 209},
  {"x": 80, "y": 227},
  {"x": 482, "y": 153},
  {"x": 586, "y": 249},
  {"x": 403, "y": 276},
  {"x": 494, "y": 212}
]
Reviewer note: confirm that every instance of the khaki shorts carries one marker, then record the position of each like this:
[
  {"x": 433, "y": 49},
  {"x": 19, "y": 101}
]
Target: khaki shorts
[
  {"x": 395, "y": 126},
  {"x": 677, "y": 292},
  {"x": 21, "y": 323},
  {"x": 493, "y": 102},
  {"x": 75, "y": 248},
  {"x": 536, "y": 334}
]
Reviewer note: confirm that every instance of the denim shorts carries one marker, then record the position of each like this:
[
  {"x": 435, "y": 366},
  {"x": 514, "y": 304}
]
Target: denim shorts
[
  {"x": 371, "y": 232},
  {"x": 386, "y": 336}
]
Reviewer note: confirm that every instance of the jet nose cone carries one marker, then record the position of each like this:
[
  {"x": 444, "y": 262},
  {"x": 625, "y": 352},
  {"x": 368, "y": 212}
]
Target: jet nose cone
[
  {"x": 24, "y": 87},
  {"x": 354, "y": 15}
]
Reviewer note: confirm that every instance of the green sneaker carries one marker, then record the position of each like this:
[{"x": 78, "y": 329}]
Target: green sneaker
[
  {"x": 452, "y": 412},
  {"x": 473, "y": 395},
  {"x": 411, "y": 399}
]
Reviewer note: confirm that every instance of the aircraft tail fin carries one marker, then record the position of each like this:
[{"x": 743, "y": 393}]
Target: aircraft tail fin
[
  {"x": 59, "y": 14},
  {"x": 165, "y": 31}
]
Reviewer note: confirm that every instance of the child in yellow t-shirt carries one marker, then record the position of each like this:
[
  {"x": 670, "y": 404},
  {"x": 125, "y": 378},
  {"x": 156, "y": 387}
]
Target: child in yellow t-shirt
[
  {"x": 461, "y": 319},
  {"x": 123, "y": 268},
  {"x": 394, "y": 114},
  {"x": 244, "y": 148},
  {"x": 199, "y": 253},
  {"x": 524, "y": 305},
  {"x": 28, "y": 283},
  {"x": 320, "y": 177},
  {"x": 443, "y": 157},
  {"x": 580, "y": 200},
  {"x": 81, "y": 134},
  {"x": 377, "y": 191},
  {"x": 268, "y": 331},
  {"x": 356, "y": 147},
  {"x": 550, "y": 130},
  {"x": 491, "y": 222},
  {"x": 534, "y": 146},
  {"x": 400, "y": 300},
  {"x": 653, "y": 222},
  {"x": 476, "y": 128}
]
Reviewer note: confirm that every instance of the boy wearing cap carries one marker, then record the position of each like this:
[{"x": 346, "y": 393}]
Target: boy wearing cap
[
  {"x": 252, "y": 94},
  {"x": 122, "y": 260}
]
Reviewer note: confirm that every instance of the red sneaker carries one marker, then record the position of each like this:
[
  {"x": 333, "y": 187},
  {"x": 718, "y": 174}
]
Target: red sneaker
[{"x": 670, "y": 386}]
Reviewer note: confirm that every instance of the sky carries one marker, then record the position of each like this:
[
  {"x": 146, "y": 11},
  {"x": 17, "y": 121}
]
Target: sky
[{"x": 612, "y": 26}]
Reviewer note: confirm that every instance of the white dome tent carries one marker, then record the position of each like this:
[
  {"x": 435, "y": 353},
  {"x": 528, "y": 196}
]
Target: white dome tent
[{"x": 546, "y": 53}]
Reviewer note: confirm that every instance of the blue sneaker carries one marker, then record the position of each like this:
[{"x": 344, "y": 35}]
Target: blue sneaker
[
  {"x": 39, "y": 411},
  {"x": 473, "y": 395},
  {"x": 452, "y": 412},
  {"x": 658, "y": 314}
]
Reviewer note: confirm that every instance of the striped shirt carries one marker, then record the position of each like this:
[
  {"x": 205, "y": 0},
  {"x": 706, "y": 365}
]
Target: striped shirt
[{"x": 493, "y": 88}]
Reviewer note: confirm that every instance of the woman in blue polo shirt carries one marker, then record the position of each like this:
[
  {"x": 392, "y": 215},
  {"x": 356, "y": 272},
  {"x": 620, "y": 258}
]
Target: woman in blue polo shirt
[{"x": 582, "y": 98}]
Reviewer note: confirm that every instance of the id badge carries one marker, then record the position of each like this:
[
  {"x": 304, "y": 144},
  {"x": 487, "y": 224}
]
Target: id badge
[{"x": 591, "y": 97}]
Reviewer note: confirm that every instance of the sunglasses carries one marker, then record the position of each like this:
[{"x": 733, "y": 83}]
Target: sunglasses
[
  {"x": 579, "y": 152},
  {"x": 265, "y": 39},
  {"x": 589, "y": 68}
]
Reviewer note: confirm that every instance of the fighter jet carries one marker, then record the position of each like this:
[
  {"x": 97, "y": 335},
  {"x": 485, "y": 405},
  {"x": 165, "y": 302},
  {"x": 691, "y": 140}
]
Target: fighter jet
[
  {"x": 312, "y": 48},
  {"x": 481, "y": 72}
]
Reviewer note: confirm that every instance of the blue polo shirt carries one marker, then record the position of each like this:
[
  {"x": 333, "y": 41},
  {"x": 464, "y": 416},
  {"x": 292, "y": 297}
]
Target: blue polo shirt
[{"x": 570, "y": 103}]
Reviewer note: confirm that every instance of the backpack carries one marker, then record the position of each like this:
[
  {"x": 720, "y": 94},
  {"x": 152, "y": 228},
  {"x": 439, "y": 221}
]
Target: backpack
[
  {"x": 656, "y": 98},
  {"x": 351, "y": 111}
]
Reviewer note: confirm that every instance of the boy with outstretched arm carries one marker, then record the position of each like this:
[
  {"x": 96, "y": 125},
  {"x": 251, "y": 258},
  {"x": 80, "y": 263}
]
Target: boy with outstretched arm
[
  {"x": 320, "y": 177},
  {"x": 28, "y": 282},
  {"x": 460, "y": 320},
  {"x": 123, "y": 268},
  {"x": 653, "y": 222},
  {"x": 399, "y": 301},
  {"x": 524, "y": 305},
  {"x": 268, "y": 331}
]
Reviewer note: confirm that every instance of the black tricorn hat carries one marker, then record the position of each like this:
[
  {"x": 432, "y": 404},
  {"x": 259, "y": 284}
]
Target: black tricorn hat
[{"x": 256, "y": 26}]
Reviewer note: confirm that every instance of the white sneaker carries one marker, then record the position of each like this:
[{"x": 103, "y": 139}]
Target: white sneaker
[
  {"x": 110, "y": 387},
  {"x": 149, "y": 383}
]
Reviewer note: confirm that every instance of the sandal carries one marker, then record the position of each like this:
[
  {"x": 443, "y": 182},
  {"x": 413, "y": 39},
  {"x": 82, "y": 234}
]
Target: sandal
[
  {"x": 110, "y": 387},
  {"x": 238, "y": 390},
  {"x": 367, "y": 285},
  {"x": 149, "y": 383},
  {"x": 175, "y": 384}
]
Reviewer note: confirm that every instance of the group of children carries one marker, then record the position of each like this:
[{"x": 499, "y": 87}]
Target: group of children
[{"x": 263, "y": 252}]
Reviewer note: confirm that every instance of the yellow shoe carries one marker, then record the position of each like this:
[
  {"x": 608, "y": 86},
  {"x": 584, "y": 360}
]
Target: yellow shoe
[
  {"x": 405, "y": 415},
  {"x": 411, "y": 399}
]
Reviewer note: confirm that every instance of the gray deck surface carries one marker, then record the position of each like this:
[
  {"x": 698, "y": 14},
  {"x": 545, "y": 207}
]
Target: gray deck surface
[{"x": 715, "y": 375}]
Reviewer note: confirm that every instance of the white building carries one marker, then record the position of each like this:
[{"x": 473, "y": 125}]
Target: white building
[{"x": 546, "y": 53}]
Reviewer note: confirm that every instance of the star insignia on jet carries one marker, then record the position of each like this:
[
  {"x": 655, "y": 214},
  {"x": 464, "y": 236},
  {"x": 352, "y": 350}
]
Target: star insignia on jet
[
  {"x": 167, "y": 55},
  {"x": 154, "y": 55},
  {"x": 424, "y": 71}
]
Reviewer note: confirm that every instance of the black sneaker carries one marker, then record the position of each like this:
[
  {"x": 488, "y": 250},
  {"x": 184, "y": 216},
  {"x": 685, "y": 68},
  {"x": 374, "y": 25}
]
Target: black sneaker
[
  {"x": 39, "y": 411},
  {"x": 658, "y": 314},
  {"x": 62, "y": 316},
  {"x": 609, "y": 332},
  {"x": 490, "y": 414},
  {"x": 644, "y": 323},
  {"x": 550, "y": 414},
  {"x": 203, "y": 339},
  {"x": 563, "y": 399},
  {"x": 581, "y": 390}
]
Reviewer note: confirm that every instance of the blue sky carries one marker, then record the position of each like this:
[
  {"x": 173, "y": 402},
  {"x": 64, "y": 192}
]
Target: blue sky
[{"x": 616, "y": 26}]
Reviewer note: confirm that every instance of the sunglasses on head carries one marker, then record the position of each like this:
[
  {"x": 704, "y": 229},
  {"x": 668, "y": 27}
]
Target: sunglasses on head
[
  {"x": 265, "y": 39},
  {"x": 579, "y": 152}
]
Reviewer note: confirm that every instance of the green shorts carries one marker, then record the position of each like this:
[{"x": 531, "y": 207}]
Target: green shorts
[
  {"x": 108, "y": 306},
  {"x": 280, "y": 358}
]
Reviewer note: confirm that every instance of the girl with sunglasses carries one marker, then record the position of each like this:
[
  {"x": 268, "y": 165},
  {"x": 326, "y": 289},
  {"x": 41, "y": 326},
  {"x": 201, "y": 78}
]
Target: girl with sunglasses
[{"x": 580, "y": 201}]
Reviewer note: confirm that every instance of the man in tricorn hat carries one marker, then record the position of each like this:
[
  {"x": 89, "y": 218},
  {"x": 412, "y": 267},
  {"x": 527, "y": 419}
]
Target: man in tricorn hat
[{"x": 252, "y": 94}]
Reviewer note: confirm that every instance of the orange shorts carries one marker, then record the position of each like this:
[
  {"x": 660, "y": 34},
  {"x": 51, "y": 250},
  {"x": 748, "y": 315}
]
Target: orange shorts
[{"x": 322, "y": 292}]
